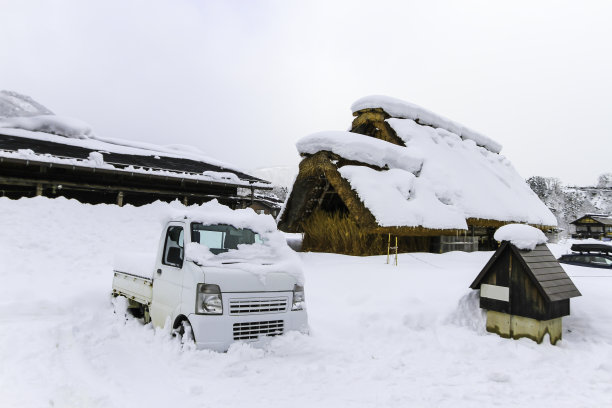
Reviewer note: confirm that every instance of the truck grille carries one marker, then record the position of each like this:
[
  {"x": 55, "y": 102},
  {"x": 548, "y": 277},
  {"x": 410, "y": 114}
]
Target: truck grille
[
  {"x": 257, "y": 305},
  {"x": 252, "y": 330}
]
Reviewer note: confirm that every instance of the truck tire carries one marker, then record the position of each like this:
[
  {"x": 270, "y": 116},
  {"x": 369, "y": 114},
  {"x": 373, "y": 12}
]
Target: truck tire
[{"x": 184, "y": 332}]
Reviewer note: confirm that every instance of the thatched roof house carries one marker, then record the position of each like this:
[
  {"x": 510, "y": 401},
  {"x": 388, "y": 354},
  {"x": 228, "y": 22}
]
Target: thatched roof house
[{"x": 408, "y": 172}]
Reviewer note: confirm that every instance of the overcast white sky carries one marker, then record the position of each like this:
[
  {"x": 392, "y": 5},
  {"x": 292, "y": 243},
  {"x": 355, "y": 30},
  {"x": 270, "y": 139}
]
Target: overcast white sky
[{"x": 243, "y": 80}]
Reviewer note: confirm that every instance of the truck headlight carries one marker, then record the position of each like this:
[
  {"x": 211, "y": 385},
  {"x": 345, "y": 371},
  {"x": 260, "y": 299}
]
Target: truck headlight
[
  {"x": 298, "y": 298},
  {"x": 208, "y": 299}
]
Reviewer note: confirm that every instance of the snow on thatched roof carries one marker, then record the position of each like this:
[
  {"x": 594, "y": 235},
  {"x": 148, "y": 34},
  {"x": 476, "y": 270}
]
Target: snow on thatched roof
[
  {"x": 397, "y": 108},
  {"x": 353, "y": 146},
  {"x": 439, "y": 180}
]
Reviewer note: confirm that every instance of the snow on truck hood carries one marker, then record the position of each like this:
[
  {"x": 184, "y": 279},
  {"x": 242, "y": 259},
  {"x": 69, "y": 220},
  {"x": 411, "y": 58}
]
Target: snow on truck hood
[{"x": 261, "y": 260}]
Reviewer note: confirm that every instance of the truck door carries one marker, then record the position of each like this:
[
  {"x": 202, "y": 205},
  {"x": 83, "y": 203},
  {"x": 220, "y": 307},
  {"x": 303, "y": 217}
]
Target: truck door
[{"x": 168, "y": 278}]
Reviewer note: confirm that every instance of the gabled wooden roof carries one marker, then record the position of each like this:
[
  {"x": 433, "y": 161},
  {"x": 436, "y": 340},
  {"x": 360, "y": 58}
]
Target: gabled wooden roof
[
  {"x": 542, "y": 267},
  {"x": 120, "y": 160},
  {"x": 603, "y": 220},
  {"x": 598, "y": 218}
]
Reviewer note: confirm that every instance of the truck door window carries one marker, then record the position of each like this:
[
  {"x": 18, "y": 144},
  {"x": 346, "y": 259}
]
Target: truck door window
[{"x": 173, "y": 248}]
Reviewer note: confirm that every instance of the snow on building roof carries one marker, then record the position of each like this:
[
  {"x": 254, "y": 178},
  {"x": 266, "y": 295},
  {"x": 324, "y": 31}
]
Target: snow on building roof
[
  {"x": 521, "y": 236},
  {"x": 353, "y": 146},
  {"x": 30, "y": 131},
  {"x": 437, "y": 181},
  {"x": 406, "y": 110},
  {"x": 602, "y": 218}
]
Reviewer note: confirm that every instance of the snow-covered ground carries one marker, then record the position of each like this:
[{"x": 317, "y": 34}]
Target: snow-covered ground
[{"x": 381, "y": 335}]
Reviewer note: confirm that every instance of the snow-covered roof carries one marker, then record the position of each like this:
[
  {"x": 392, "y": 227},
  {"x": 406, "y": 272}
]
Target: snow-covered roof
[
  {"x": 406, "y": 110},
  {"x": 602, "y": 218},
  {"x": 521, "y": 236},
  {"x": 353, "y": 146},
  {"x": 439, "y": 180},
  {"x": 30, "y": 131}
]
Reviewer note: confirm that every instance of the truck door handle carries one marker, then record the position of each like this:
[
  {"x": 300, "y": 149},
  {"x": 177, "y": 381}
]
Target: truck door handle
[{"x": 159, "y": 271}]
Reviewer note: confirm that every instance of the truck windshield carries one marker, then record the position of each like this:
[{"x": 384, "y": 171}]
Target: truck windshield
[{"x": 221, "y": 238}]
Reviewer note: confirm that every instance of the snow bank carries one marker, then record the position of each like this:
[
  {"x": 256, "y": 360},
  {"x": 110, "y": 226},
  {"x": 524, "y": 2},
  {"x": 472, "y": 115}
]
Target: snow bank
[
  {"x": 406, "y": 110},
  {"x": 382, "y": 335},
  {"x": 520, "y": 235},
  {"x": 353, "y": 146}
]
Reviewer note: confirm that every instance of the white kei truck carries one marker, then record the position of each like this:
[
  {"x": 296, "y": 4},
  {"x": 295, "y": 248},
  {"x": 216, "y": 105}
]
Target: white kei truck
[{"x": 219, "y": 276}]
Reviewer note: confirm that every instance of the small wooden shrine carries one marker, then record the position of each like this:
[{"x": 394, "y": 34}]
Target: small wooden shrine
[{"x": 525, "y": 293}]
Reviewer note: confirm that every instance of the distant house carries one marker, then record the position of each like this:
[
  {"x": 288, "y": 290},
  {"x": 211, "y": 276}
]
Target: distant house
[
  {"x": 598, "y": 226},
  {"x": 43, "y": 154},
  {"x": 404, "y": 171}
]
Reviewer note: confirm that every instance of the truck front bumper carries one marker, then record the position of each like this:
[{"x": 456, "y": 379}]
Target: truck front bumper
[{"x": 218, "y": 332}]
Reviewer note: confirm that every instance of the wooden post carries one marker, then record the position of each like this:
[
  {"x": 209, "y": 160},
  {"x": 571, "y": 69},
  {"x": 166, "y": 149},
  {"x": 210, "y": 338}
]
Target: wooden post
[
  {"x": 39, "y": 189},
  {"x": 388, "y": 248},
  {"x": 120, "y": 199},
  {"x": 395, "y": 251},
  {"x": 185, "y": 201}
]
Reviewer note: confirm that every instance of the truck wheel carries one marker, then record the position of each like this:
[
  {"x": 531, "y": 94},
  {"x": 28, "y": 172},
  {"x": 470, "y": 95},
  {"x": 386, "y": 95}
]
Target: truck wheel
[{"x": 184, "y": 332}]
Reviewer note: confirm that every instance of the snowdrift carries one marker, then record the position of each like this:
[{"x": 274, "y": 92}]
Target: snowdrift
[{"x": 386, "y": 336}]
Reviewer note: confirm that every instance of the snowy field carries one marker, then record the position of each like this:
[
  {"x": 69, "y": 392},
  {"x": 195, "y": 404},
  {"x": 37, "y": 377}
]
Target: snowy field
[{"x": 381, "y": 336}]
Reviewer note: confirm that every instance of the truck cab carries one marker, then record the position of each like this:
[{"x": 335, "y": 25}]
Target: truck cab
[{"x": 221, "y": 278}]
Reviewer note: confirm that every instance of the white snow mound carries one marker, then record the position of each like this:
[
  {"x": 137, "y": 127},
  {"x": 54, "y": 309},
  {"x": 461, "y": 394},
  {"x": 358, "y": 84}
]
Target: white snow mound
[{"x": 520, "y": 235}]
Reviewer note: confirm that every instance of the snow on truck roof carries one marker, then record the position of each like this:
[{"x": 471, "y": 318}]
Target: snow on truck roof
[
  {"x": 212, "y": 213},
  {"x": 437, "y": 180},
  {"x": 30, "y": 131}
]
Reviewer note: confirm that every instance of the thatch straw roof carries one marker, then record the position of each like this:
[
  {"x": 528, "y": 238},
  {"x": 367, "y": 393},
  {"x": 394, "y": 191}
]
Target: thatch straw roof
[{"x": 402, "y": 169}]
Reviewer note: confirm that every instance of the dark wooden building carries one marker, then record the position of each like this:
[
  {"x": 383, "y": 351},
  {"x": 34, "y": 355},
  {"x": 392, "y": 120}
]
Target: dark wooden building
[
  {"x": 525, "y": 293},
  {"x": 96, "y": 171},
  {"x": 598, "y": 226}
]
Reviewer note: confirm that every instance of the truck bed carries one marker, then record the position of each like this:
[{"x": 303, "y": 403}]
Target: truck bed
[
  {"x": 133, "y": 276},
  {"x": 133, "y": 287}
]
